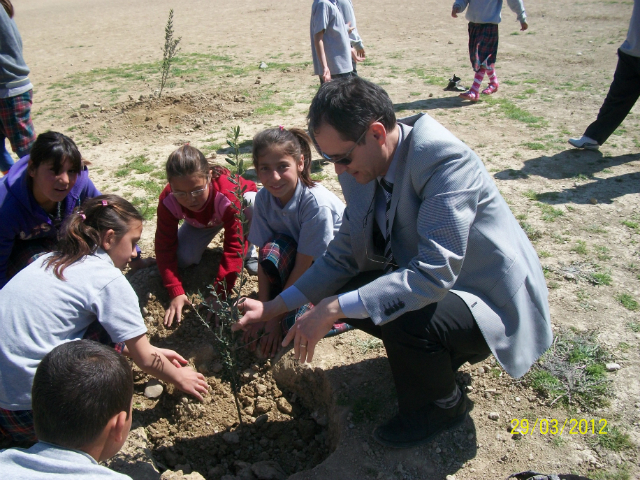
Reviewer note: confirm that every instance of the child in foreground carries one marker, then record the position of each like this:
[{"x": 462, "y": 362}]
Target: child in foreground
[
  {"x": 82, "y": 396},
  {"x": 484, "y": 17},
  {"x": 203, "y": 196},
  {"x": 293, "y": 222},
  {"x": 81, "y": 293}
]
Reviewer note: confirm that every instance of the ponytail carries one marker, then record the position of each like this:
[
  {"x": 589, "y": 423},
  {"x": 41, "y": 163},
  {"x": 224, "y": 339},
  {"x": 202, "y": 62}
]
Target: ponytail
[
  {"x": 8, "y": 7},
  {"x": 82, "y": 231},
  {"x": 293, "y": 142}
]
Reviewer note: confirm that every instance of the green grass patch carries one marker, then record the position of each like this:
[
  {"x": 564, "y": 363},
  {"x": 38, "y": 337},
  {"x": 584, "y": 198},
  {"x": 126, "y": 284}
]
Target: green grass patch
[
  {"x": 531, "y": 232},
  {"x": 513, "y": 112},
  {"x": 602, "y": 252},
  {"x": 628, "y": 302},
  {"x": 630, "y": 224},
  {"x": 572, "y": 372},
  {"x": 580, "y": 247},
  {"x": 429, "y": 78},
  {"x": 369, "y": 344},
  {"x": 615, "y": 440},
  {"x": 535, "y": 145},
  {"x": 549, "y": 213},
  {"x": 600, "y": 278},
  {"x": 138, "y": 164}
]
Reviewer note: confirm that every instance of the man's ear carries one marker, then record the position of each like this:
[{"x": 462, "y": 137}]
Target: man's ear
[
  {"x": 379, "y": 133},
  {"x": 108, "y": 240}
]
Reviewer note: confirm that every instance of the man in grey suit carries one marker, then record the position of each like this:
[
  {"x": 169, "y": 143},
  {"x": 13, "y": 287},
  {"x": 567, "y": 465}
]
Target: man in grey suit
[{"x": 428, "y": 258}]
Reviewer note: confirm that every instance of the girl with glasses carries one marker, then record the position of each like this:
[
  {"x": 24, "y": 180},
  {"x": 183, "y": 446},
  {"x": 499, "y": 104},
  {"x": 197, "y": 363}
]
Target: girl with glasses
[{"x": 203, "y": 197}]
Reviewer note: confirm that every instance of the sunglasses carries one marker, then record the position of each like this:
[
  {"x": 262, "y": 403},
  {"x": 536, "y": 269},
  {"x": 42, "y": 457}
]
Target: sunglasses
[{"x": 343, "y": 159}]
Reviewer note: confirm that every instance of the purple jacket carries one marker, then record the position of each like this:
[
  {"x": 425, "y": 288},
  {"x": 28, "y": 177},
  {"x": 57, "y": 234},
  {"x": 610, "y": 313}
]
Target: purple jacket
[{"x": 21, "y": 218}]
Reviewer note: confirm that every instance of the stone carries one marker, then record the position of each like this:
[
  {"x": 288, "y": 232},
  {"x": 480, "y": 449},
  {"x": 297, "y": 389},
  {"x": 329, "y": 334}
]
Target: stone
[
  {"x": 74, "y": 115},
  {"x": 260, "y": 389},
  {"x": 216, "y": 367},
  {"x": 593, "y": 200},
  {"x": 231, "y": 437},
  {"x": 261, "y": 420},
  {"x": 263, "y": 66},
  {"x": 180, "y": 475},
  {"x": 284, "y": 406},
  {"x": 612, "y": 367},
  {"x": 84, "y": 105},
  {"x": 268, "y": 470},
  {"x": 262, "y": 405},
  {"x": 494, "y": 416},
  {"x": 204, "y": 354},
  {"x": 153, "y": 389},
  {"x": 450, "y": 477},
  {"x": 469, "y": 388}
]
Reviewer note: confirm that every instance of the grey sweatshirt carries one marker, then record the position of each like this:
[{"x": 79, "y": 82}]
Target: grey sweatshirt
[
  {"x": 14, "y": 73},
  {"x": 488, "y": 11}
]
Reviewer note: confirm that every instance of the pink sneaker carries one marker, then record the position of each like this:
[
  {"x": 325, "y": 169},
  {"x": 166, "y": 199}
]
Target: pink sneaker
[
  {"x": 469, "y": 95},
  {"x": 492, "y": 88}
]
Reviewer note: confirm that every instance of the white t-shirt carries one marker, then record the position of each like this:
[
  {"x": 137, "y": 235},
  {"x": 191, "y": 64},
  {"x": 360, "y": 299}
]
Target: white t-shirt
[
  {"x": 40, "y": 312},
  {"x": 45, "y": 461},
  {"x": 312, "y": 217}
]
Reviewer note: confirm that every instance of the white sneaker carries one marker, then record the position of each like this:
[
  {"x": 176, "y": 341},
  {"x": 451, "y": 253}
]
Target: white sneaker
[{"x": 584, "y": 142}]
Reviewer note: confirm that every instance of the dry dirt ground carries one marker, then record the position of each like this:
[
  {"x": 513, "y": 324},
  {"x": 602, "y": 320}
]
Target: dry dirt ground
[{"x": 95, "y": 67}]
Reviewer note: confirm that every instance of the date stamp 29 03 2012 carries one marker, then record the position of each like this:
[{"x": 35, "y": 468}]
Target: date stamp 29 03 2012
[{"x": 553, "y": 426}]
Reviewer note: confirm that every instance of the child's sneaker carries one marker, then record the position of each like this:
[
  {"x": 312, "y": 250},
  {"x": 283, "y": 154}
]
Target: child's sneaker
[
  {"x": 584, "y": 142},
  {"x": 492, "y": 88},
  {"x": 469, "y": 95}
]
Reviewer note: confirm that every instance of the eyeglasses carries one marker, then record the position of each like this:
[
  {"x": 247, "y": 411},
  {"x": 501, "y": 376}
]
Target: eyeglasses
[
  {"x": 193, "y": 193},
  {"x": 343, "y": 159}
]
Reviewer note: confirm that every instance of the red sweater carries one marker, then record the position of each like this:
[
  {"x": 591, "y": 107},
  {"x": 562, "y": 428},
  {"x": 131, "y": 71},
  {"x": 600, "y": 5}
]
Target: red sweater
[{"x": 217, "y": 211}]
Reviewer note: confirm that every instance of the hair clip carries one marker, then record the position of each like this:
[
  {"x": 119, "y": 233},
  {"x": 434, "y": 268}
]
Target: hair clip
[
  {"x": 281, "y": 127},
  {"x": 84, "y": 217},
  {"x": 104, "y": 203}
]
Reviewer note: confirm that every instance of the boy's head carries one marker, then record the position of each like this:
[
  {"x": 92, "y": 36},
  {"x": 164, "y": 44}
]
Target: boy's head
[{"x": 82, "y": 393}]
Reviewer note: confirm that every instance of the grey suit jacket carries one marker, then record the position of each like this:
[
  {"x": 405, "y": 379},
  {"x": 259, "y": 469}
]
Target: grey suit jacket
[{"x": 450, "y": 231}]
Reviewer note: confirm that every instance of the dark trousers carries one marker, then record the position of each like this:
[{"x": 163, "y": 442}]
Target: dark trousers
[
  {"x": 425, "y": 347},
  {"x": 623, "y": 93}
]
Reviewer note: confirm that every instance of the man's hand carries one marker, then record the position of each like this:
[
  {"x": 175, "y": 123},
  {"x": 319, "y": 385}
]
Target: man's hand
[
  {"x": 270, "y": 341},
  {"x": 175, "y": 309},
  {"x": 312, "y": 327},
  {"x": 523, "y": 26},
  {"x": 455, "y": 11}
]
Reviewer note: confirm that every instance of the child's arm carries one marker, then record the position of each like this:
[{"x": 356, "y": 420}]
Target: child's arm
[
  {"x": 517, "y": 7},
  {"x": 318, "y": 42},
  {"x": 165, "y": 365},
  {"x": 458, "y": 7}
]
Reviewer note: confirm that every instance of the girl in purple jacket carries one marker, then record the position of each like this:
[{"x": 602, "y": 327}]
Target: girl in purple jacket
[{"x": 40, "y": 190}]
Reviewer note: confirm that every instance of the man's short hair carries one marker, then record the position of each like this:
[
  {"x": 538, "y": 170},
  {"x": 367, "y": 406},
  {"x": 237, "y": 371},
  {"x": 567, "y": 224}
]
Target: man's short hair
[
  {"x": 350, "y": 105},
  {"x": 78, "y": 387}
]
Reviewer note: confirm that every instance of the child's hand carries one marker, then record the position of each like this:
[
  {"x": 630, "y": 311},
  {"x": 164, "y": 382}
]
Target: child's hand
[
  {"x": 357, "y": 54},
  {"x": 524, "y": 26},
  {"x": 350, "y": 28},
  {"x": 191, "y": 382},
  {"x": 326, "y": 74},
  {"x": 455, "y": 11},
  {"x": 270, "y": 342},
  {"x": 174, "y": 357},
  {"x": 175, "y": 309}
]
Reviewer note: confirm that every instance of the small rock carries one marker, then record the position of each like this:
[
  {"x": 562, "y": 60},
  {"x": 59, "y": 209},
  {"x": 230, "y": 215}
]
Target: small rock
[
  {"x": 469, "y": 388},
  {"x": 517, "y": 399},
  {"x": 261, "y": 420},
  {"x": 145, "y": 311},
  {"x": 579, "y": 54},
  {"x": 74, "y": 115},
  {"x": 231, "y": 437},
  {"x": 216, "y": 367},
  {"x": 263, "y": 405},
  {"x": 470, "y": 436},
  {"x": 450, "y": 477},
  {"x": 284, "y": 406},
  {"x": 147, "y": 118},
  {"x": 153, "y": 389},
  {"x": 494, "y": 416},
  {"x": 96, "y": 104},
  {"x": 260, "y": 389},
  {"x": 438, "y": 450},
  {"x": 593, "y": 200},
  {"x": 84, "y": 105},
  {"x": 480, "y": 371},
  {"x": 612, "y": 367},
  {"x": 450, "y": 42},
  {"x": 268, "y": 470},
  {"x": 159, "y": 127},
  {"x": 263, "y": 65}
]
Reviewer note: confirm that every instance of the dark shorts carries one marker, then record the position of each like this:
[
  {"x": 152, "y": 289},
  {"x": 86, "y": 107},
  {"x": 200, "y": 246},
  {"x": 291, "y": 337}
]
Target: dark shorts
[
  {"x": 483, "y": 45},
  {"x": 15, "y": 122},
  {"x": 25, "y": 252}
]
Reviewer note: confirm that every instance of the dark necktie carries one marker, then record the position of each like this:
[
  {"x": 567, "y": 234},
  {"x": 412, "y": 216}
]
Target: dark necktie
[{"x": 387, "y": 188}]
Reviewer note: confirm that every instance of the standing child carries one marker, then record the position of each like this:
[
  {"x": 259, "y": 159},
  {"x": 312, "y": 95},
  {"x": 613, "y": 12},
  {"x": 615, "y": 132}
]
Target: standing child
[
  {"x": 16, "y": 91},
  {"x": 330, "y": 44},
  {"x": 81, "y": 293},
  {"x": 357, "y": 47},
  {"x": 203, "y": 196},
  {"x": 484, "y": 17},
  {"x": 293, "y": 222}
]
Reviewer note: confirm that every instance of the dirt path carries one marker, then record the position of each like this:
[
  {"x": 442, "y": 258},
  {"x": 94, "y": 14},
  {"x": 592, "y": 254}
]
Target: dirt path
[{"x": 94, "y": 67}]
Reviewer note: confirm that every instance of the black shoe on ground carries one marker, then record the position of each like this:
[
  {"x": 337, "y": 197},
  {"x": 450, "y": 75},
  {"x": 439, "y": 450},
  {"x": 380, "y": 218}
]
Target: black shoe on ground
[{"x": 410, "y": 430}]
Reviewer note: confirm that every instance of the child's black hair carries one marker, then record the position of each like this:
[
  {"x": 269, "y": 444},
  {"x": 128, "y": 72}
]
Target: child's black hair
[
  {"x": 78, "y": 387},
  {"x": 54, "y": 147},
  {"x": 81, "y": 232},
  {"x": 292, "y": 142}
]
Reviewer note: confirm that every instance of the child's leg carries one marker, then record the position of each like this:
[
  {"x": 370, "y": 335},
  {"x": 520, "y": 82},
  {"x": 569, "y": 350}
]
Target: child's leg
[
  {"x": 277, "y": 258},
  {"x": 472, "y": 93},
  {"x": 6, "y": 160},
  {"x": 16, "y": 122},
  {"x": 493, "y": 81},
  {"x": 192, "y": 243},
  {"x": 17, "y": 425}
]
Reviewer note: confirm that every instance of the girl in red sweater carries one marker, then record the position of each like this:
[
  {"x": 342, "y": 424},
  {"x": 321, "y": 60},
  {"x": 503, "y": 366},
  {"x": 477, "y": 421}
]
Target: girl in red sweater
[{"x": 202, "y": 195}]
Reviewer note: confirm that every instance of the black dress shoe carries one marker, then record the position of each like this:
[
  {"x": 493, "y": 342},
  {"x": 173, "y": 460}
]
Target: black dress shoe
[{"x": 419, "y": 427}]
